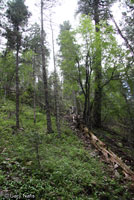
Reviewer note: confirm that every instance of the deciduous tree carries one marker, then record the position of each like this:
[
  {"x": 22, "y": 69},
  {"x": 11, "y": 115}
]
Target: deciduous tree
[{"x": 98, "y": 10}]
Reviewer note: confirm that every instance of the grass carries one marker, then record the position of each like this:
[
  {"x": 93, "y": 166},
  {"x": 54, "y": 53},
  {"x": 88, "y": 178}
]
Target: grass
[{"x": 37, "y": 165}]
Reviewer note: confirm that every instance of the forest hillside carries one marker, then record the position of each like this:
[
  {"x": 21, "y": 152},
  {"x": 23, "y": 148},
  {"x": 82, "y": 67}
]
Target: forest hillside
[
  {"x": 37, "y": 165},
  {"x": 68, "y": 132}
]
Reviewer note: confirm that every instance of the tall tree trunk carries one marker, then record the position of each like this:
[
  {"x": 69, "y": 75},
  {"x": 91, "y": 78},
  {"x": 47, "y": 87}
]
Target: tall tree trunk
[
  {"x": 98, "y": 89},
  {"x": 85, "y": 108},
  {"x": 87, "y": 112},
  {"x": 34, "y": 95},
  {"x": 5, "y": 92},
  {"x": 49, "y": 124},
  {"x": 97, "y": 99},
  {"x": 89, "y": 106},
  {"x": 17, "y": 85},
  {"x": 56, "y": 95}
]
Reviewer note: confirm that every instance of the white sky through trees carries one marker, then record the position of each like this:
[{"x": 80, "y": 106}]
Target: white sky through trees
[{"x": 64, "y": 10}]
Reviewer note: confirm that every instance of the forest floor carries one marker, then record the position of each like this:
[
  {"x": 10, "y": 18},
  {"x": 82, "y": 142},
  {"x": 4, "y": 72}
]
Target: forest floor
[
  {"x": 115, "y": 140},
  {"x": 41, "y": 166}
]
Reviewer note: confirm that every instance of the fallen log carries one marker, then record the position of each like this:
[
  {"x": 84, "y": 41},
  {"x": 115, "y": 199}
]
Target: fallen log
[{"x": 109, "y": 155}]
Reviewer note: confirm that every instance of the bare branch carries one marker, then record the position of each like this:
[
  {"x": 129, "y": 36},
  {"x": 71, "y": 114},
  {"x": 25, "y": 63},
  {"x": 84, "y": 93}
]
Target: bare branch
[
  {"x": 123, "y": 37},
  {"x": 80, "y": 82}
]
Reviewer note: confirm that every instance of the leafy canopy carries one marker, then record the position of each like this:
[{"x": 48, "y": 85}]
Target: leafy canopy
[{"x": 17, "y": 12}]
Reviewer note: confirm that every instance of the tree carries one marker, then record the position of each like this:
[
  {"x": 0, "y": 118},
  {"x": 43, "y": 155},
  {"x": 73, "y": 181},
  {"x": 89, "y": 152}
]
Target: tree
[
  {"x": 17, "y": 15},
  {"x": 98, "y": 9},
  {"x": 87, "y": 49},
  {"x": 77, "y": 64},
  {"x": 43, "y": 53},
  {"x": 128, "y": 24},
  {"x": 32, "y": 43},
  {"x": 7, "y": 74},
  {"x": 67, "y": 61},
  {"x": 125, "y": 38},
  {"x": 56, "y": 94}
]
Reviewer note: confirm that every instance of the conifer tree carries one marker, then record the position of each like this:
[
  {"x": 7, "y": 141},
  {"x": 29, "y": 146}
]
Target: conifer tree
[
  {"x": 45, "y": 79},
  {"x": 17, "y": 15}
]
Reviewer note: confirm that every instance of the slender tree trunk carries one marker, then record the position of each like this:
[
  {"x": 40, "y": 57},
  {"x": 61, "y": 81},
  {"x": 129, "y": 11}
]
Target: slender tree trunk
[
  {"x": 97, "y": 99},
  {"x": 5, "y": 92},
  {"x": 98, "y": 89},
  {"x": 17, "y": 86},
  {"x": 56, "y": 95},
  {"x": 85, "y": 108},
  {"x": 84, "y": 90},
  {"x": 49, "y": 125},
  {"x": 75, "y": 101},
  {"x": 34, "y": 95},
  {"x": 87, "y": 113},
  {"x": 89, "y": 106}
]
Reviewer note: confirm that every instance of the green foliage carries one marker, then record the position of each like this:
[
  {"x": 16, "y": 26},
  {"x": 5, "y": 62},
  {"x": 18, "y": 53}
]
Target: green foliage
[
  {"x": 17, "y": 12},
  {"x": 7, "y": 71},
  {"x": 17, "y": 15},
  {"x": 33, "y": 162},
  {"x": 2, "y": 177},
  {"x": 32, "y": 40},
  {"x": 90, "y": 6},
  {"x": 69, "y": 53},
  {"x": 86, "y": 32},
  {"x": 93, "y": 52},
  {"x": 61, "y": 168},
  {"x": 26, "y": 69}
]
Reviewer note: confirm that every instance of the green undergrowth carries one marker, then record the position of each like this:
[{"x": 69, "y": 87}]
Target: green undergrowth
[{"x": 37, "y": 165}]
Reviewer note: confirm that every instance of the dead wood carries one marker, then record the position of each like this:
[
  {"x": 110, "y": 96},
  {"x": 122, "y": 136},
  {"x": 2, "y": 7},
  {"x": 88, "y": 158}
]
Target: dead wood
[{"x": 109, "y": 155}]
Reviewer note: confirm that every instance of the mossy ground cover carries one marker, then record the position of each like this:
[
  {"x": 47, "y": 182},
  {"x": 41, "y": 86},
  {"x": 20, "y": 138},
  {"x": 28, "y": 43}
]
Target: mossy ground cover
[{"x": 37, "y": 165}]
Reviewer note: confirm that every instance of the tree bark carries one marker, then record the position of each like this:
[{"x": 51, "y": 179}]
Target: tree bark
[
  {"x": 86, "y": 91},
  {"x": 75, "y": 101},
  {"x": 48, "y": 116},
  {"x": 34, "y": 94},
  {"x": 98, "y": 89},
  {"x": 56, "y": 95},
  {"x": 17, "y": 85}
]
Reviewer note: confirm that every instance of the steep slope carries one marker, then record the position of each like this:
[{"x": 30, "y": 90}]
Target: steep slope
[{"x": 36, "y": 165}]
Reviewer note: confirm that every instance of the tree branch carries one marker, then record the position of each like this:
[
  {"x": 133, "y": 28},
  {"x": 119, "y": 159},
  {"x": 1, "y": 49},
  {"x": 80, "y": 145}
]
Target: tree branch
[
  {"x": 111, "y": 78},
  {"x": 123, "y": 37},
  {"x": 80, "y": 82}
]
